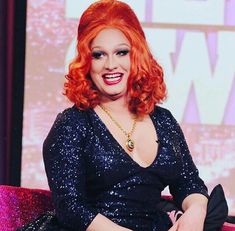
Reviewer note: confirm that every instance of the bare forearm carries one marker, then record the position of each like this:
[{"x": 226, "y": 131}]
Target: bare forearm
[
  {"x": 194, "y": 206},
  {"x": 102, "y": 223},
  {"x": 197, "y": 200}
]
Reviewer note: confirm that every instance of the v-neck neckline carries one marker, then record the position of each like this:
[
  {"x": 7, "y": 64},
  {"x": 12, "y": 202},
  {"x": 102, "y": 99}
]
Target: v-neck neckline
[{"x": 123, "y": 151}]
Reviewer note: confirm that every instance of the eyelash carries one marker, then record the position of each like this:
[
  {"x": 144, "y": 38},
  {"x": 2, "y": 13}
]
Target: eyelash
[
  {"x": 99, "y": 54},
  {"x": 123, "y": 52}
]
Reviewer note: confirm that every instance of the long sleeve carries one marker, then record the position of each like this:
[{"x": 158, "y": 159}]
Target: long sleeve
[
  {"x": 63, "y": 153},
  {"x": 188, "y": 180}
]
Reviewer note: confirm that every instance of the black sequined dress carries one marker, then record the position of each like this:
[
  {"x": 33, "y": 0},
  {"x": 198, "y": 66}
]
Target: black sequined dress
[{"x": 90, "y": 173}]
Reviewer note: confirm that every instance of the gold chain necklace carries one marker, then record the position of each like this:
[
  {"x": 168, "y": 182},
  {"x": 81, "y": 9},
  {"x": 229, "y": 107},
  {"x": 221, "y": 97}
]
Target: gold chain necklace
[{"x": 130, "y": 144}]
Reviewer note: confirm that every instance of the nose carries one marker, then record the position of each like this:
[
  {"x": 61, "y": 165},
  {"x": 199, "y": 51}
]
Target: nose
[{"x": 110, "y": 63}]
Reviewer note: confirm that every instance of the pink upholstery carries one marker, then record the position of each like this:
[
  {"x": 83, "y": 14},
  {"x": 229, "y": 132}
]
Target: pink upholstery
[
  {"x": 19, "y": 206},
  {"x": 228, "y": 227}
]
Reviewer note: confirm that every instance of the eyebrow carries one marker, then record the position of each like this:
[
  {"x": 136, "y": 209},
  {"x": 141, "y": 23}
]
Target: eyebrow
[{"x": 120, "y": 44}]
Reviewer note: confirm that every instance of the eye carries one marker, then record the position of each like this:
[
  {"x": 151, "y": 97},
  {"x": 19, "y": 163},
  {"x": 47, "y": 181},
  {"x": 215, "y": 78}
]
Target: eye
[
  {"x": 123, "y": 52},
  {"x": 97, "y": 54}
]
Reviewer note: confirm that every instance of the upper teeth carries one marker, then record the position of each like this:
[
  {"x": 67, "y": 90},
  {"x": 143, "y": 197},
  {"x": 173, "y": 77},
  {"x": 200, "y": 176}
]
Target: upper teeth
[{"x": 112, "y": 75}]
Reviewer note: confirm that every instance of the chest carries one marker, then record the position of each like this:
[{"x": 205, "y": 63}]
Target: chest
[
  {"x": 146, "y": 145},
  {"x": 108, "y": 162},
  {"x": 144, "y": 139}
]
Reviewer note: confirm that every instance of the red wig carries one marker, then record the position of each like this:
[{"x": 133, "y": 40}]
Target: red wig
[{"x": 146, "y": 86}]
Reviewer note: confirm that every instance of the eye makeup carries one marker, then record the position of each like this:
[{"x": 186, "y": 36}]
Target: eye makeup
[
  {"x": 122, "y": 52},
  {"x": 97, "y": 54},
  {"x": 100, "y": 54}
]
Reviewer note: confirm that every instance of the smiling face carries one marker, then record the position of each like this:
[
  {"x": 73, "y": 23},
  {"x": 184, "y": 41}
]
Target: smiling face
[{"x": 110, "y": 65}]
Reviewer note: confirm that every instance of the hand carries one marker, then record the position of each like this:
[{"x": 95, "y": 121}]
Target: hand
[{"x": 192, "y": 220}]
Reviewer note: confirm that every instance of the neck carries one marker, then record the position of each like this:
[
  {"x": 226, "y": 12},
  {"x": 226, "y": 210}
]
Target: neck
[{"x": 118, "y": 105}]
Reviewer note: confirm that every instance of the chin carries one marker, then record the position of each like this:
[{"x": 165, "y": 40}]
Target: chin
[{"x": 115, "y": 95}]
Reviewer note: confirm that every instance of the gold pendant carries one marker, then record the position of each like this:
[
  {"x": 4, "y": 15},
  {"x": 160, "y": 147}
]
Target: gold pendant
[{"x": 130, "y": 144}]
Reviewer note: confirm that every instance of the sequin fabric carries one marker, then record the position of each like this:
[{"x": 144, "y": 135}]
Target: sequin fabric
[{"x": 90, "y": 173}]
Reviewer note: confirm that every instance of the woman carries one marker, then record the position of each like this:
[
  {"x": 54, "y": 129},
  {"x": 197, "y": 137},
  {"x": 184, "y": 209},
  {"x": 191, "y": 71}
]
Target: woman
[{"x": 109, "y": 157}]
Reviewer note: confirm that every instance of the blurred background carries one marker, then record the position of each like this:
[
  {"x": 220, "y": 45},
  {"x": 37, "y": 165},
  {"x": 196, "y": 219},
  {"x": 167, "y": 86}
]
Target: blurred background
[{"x": 193, "y": 40}]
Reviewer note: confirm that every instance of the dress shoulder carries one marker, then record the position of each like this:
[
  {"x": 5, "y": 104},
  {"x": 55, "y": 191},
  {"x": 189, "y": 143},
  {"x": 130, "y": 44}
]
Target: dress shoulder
[
  {"x": 69, "y": 124},
  {"x": 163, "y": 115},
  {"x": 71, "y": 115}
]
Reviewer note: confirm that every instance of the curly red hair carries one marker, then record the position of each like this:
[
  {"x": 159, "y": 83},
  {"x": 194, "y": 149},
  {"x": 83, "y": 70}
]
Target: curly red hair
[{"x": 145, "y": 86}]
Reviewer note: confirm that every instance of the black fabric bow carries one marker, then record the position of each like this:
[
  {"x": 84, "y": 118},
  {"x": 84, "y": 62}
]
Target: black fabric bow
[{"x": 217, "y": 210}]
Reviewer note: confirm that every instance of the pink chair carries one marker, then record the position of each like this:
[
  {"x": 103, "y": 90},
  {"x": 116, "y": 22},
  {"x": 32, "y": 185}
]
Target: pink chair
[
  {"x": 228, "y": 227},
  {"x": 19, "y": 206}
]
